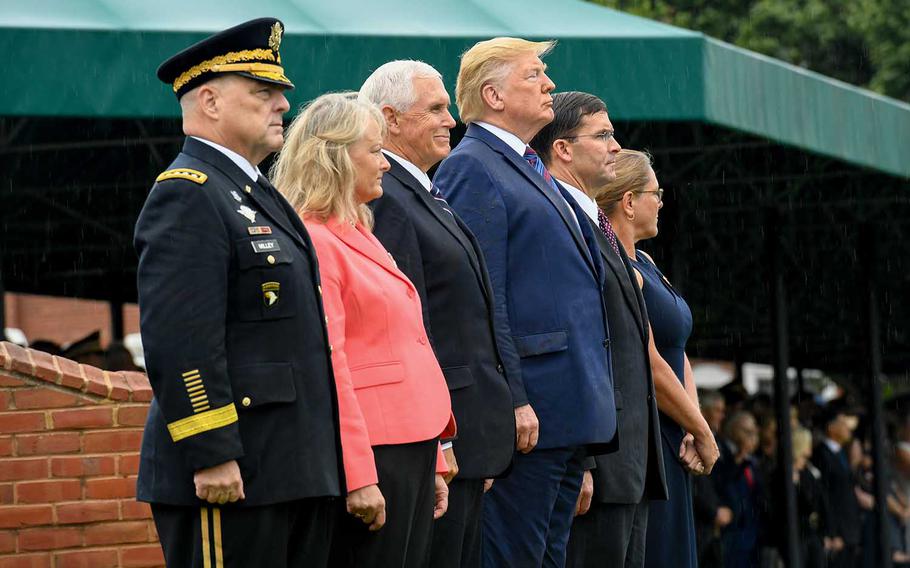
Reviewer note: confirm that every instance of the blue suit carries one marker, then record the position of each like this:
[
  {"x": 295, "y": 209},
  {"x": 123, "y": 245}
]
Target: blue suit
[{"x": 547, "y": 280}]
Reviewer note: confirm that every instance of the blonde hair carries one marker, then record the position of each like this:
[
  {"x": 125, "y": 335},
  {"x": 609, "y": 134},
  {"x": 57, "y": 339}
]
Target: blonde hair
[
  {"x": 489, "y": 62},
  {"x": 314, "y": 171},
  {"x": 632, "y": 169},
  {"x": 802, "y": 441}
]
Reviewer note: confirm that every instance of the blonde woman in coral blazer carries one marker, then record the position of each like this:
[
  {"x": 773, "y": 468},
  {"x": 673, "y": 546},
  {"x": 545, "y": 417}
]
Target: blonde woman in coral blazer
[{"x": 393, "y": 400}]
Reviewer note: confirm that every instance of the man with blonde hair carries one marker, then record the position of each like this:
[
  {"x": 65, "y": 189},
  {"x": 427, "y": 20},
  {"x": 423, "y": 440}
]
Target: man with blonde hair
[
  {"x": 547, "y": 277},
  {"x": 438, "y": 253}
]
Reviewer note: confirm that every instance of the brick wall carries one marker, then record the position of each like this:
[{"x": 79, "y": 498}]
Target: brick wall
[
  {"x": 69, "y": 444},
  {"x": 63, "y": 320}
]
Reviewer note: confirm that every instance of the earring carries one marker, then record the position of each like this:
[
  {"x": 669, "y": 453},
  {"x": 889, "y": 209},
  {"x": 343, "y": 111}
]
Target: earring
[{"x": 631, "y": 216}]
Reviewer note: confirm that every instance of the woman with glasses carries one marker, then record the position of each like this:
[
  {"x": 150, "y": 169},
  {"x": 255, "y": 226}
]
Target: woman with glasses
[{"x": 632, "y": 203}]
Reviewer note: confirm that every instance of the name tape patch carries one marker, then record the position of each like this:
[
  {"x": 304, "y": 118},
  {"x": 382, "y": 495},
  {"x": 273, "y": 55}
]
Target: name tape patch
[{"x": 266, "y": 245}]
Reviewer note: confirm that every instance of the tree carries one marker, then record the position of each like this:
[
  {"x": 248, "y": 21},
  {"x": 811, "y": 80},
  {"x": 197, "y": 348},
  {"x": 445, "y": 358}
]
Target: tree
[{"x": 863, "y": 42}]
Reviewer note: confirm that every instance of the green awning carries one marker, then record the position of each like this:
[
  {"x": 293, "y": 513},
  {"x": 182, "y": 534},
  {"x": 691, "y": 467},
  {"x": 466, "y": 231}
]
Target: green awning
[{"x": 97, "y": 59}]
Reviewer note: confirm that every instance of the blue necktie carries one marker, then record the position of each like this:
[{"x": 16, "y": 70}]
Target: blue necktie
[{"x": 531, "y": 156}]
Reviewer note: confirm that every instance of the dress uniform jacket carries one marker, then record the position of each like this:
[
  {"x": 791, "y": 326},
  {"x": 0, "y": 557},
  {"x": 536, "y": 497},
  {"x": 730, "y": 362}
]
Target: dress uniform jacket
[
  {"x": 234, "y": 337},
  {"x": 380, "y": 350},
  {"x": 440, "y": 256}
]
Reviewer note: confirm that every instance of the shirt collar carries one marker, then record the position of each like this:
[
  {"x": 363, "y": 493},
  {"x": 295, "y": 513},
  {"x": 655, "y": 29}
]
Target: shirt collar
[
  {"x": 588, "y": 205},
  {"x": 832, "y": 445},
  {"x": 242, "y": 163},
  {"x": 514, "y": 142},
  {"x": 418, "y": 174}
]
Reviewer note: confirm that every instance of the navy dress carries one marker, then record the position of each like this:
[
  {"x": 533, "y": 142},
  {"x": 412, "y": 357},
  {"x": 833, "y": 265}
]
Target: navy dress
[{"x": 671, "y": 524}]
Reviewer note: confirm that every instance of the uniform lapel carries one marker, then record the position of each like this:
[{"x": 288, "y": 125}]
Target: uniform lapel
[{"x": 264, "y": 203}]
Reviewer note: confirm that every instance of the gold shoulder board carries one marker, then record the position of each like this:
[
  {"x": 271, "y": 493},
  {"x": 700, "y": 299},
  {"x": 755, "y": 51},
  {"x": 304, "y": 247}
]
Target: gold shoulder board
[{"x": 183, "y": 173}]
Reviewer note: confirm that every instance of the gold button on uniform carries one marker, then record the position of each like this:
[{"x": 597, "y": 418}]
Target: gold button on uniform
[
  {"x": 270, "y": 259},
  {"x": 248, "y": 189},
  {"x": 246, "y": 401}
]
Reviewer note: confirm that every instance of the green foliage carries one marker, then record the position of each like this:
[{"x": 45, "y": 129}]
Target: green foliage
[{"x": 863, "y": 42}]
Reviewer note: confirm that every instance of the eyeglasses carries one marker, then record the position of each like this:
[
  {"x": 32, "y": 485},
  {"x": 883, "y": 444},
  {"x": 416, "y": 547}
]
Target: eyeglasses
[
  {"x": 604, "y": 136},
  {"x": 659, "y": 192}
]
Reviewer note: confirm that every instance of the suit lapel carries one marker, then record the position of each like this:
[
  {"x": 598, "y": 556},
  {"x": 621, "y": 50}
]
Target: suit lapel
[
  {"x": 266, "y": 205},
  {"x": 448, "y": 220},
  {"x": 524, "y": 168},
  {"x": 619, "y": 271},
  {"x": 367, "y": 245}
]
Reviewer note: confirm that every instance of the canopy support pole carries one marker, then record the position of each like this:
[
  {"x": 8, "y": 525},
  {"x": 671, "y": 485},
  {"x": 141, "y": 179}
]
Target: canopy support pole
[
  {"x": 868, "y": 251},
  {"x": 780, "y": 341}
]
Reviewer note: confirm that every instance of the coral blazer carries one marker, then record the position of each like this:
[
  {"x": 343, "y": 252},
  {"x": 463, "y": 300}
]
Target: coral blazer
[{"x": 391, "y": 389}]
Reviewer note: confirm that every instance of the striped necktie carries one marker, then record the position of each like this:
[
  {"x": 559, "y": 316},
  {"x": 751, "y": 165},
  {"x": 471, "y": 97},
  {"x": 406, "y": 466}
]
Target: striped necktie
[
  {"x": 607, "y": 230},
  {"x": 437, "y": 195},
  {"x": 531, "y": 156}
]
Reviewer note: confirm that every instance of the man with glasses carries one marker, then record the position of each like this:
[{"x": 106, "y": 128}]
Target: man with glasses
[{"x": 579, "y": 149}]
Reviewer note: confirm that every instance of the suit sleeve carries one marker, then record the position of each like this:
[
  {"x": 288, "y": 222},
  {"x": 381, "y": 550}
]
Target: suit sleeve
[
  {"x": 184, "y": 262},
  {"x": 394, "y": 229},
  {"x": 471, "y": 191},
  {"x": 357, "y": 453}
]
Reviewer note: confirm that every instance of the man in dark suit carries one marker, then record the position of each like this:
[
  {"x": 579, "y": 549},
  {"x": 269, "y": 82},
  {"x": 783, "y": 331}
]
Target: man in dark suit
[
  {"x": 547, "y": 280},
  {"x": 241, "y": 455},
  {"x": 579, "y": 149},
  {"x": 434, "y": 248},
  {"x": 838, "y": 484}
]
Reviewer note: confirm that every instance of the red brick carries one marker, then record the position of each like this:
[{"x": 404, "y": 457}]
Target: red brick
[
  {"x": 7, "y": 542},
  {"x": 87, "y": 512},
  {"x": 48, "y": 491},
  {"x": 139, "y": 386},
  {"x": 79, "y": 466},
  {"x": 43, "y": 397},
  {"x": 48, "y": 443},
  {"x": 6, "y": 493},
  {"x": 116, "y": 533},
  {"x": 19, "y": 359},
  {"x": 6, "y": 445},
  {"x": 129, "y": 465},
  {"x": 26, "y": 561},
  {"x": 18, "y": 421},
  {"x": 142, "y": 556},
  {"x": 114, "y": 488},
  {"x": 4, "y": 355},
  {"x": 132, "y": 510},
  {"x": 72, "y": 374},
  {"x": 96, "y": 384},
  {"x": 74, "y": 418},
  {"x": 15, "y": 469},
  {"x": 120, "y": 388},
  {"x": 44, "y": 366},
  {"x": 7, "y": 380},
  {"x": 5, "y": 400},
  {"x": 132, "y": 415},
  {"x": 112, "y": 441},
  {"x": 16, "y": 517},
  {"x": 86, "y": 559},
  {"x": 51, "y": 538}
]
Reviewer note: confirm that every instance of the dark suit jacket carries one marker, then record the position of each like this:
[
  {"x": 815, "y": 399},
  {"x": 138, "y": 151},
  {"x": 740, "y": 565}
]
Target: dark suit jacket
[
  {"x": 837, "y": 483},
  {"x": 440, "y": 256},
  {"x": 636, "y": 470},
  {"x": 547, "y": 281},
  {"x": 234, "y": 337}
]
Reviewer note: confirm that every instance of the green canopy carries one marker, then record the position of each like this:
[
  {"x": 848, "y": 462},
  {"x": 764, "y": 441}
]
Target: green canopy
[{"x": 97, "y": 58}]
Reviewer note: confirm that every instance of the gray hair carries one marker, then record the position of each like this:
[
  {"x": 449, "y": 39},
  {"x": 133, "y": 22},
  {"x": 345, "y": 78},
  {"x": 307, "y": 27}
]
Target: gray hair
[{"x": 393, "y": 83}]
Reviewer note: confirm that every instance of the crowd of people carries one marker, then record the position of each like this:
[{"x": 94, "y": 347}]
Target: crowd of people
[
  {"x": 355, "y": 364},
  {"x": 739, "y": 509}
]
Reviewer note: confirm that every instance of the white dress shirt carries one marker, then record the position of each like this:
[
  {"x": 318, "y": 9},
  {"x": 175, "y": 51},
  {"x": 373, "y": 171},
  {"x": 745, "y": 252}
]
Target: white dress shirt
[
  {"x": 418, "y": 174},
  {"x": 832, "y": 445},
  {"x": 242, "y": 163},
  {"x": 513, "y": 142},
  {"x": 588, "y": 205}
]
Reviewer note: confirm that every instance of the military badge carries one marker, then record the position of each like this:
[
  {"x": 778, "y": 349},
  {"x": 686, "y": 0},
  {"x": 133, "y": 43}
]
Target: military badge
[
  {"x": 270, "y": 293},
  {"x": 259, "y": 230},
  {"x": 236, "y": 196},
  {"x": 275, "y": 36},
  {"x": 248, "y": 213}
]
